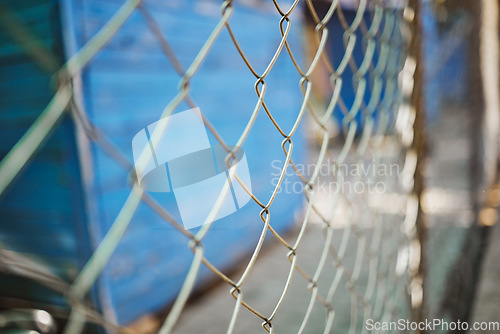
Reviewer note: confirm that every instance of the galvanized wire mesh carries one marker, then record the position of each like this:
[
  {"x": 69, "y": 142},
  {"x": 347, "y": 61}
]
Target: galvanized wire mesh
[{"x": 371, "y": 248}]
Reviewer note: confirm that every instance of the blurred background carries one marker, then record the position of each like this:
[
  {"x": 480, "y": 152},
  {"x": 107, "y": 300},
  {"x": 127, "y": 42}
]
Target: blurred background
[{"x": 327, "y": 99}]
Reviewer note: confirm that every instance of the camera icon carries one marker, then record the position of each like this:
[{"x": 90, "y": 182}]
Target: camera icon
[{"x": 175, "y": 155}]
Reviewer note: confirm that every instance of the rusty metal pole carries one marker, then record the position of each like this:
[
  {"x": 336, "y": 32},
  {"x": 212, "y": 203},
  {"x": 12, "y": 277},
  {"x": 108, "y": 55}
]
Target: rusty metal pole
[{"x": 417, "y": 103}]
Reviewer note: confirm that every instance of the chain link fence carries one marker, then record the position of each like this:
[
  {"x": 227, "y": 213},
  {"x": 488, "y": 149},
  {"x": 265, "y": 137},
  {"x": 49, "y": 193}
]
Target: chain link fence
[{"x": 369, "y": 263}]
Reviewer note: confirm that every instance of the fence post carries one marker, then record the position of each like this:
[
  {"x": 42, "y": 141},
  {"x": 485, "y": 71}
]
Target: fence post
[{"x": 418, "y": 146}]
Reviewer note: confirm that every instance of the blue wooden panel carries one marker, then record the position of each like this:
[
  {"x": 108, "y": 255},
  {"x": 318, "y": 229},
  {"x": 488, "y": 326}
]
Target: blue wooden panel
[
  {"x": 41, "y": 214},
  {"x": 39, "y": 20},
  {"x": 336, "y": 51},
  {"x": 446, "y": 81},
  {"x": 20, "y": 71},
  {"x": 125, "y": 88}
]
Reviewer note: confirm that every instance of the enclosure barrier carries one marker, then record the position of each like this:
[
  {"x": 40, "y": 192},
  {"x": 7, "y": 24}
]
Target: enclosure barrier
[{"x": 381, "y": 125}]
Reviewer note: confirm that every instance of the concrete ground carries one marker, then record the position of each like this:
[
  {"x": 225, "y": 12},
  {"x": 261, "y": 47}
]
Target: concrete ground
[{"x": 211, "y": 313}]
